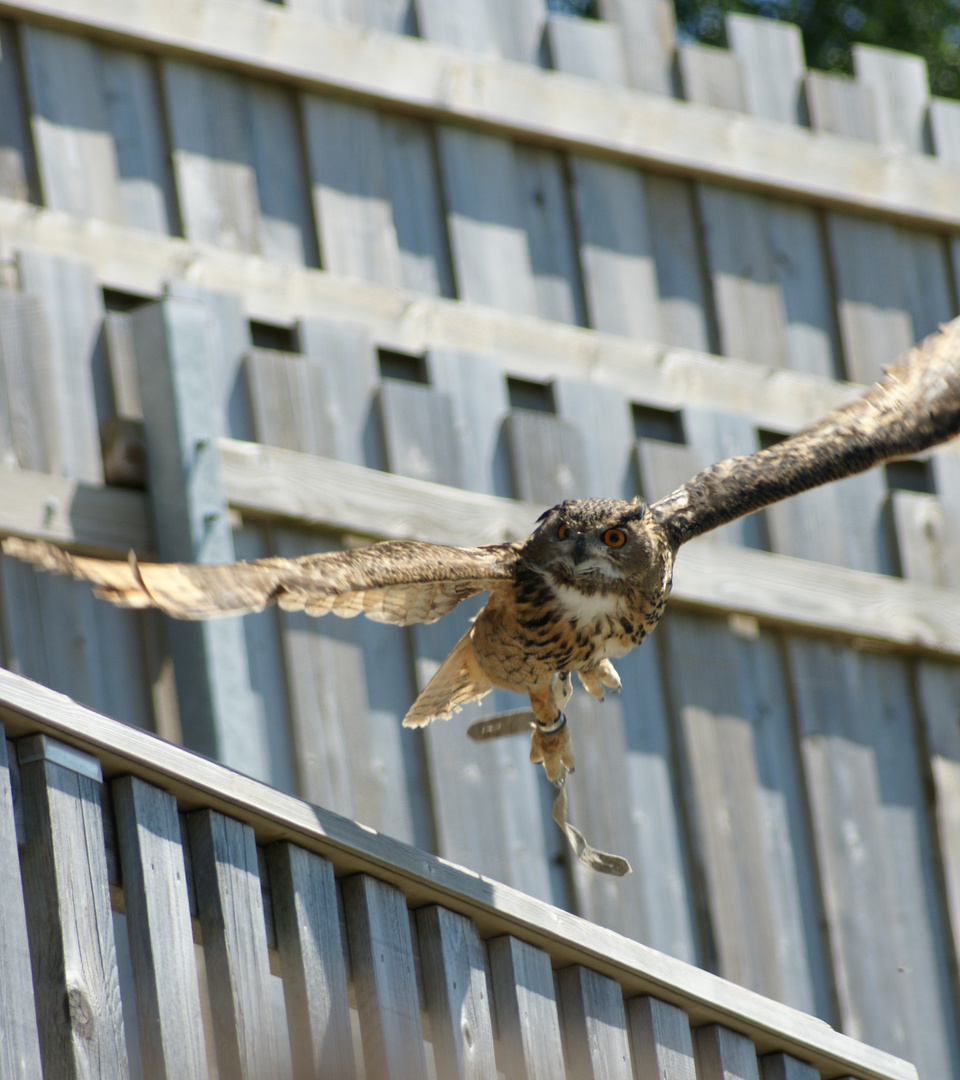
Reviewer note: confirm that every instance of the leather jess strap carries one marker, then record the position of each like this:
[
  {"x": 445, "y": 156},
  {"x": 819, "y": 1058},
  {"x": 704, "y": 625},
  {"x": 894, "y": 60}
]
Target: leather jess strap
[{"x": 518, "y": 722}]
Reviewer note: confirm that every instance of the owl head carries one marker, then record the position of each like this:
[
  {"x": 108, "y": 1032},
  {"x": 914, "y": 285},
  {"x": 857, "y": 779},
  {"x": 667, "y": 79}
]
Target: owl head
[{"x": 595, "y": 543}]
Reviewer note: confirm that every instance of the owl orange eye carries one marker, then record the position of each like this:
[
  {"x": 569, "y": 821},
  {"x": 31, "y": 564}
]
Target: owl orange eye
[
  {"x": 562, "y": 531},
  {"x": 614, "y": 538}
]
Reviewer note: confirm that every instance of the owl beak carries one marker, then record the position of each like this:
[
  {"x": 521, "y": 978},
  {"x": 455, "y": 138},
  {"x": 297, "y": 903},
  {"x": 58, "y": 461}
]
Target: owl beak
[{"x": 578, "y": 550}]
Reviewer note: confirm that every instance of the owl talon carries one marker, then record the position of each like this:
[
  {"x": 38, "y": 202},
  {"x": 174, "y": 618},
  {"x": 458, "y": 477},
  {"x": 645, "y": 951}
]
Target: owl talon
[
  {"x": 550, "y": 746},
  {"x": 562, "y": 688}
]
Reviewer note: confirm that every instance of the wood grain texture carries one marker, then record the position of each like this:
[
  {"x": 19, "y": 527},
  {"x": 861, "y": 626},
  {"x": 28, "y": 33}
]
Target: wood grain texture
[
  {"x": 519, "y": 99},
  {"x": 528, "y": 1023},
  {"x": 594, "y": 1025},
  {"x": 17, "y": 168},
  {"x": 230, "y": 907},
  {"x": 160, "y": 931},
  {"x": 71, "y": 928},
  {"x": 311, "y": 951},
  {"x": 841, "y": 105},
  {"x": 425, "y": 879},
  {"x": 901, "y": 92},
  {"x": 587, "y": 47},
  {"x": 944, "y": 119},
  {"x": 546, "y": 457},
  {"x": 19, "y": 1042},
  {"x": 418, "y": 432},
  {"x": 865, "y": 784},
  {"x": 649, "y": 35},
  {"x": 712, "y": 76},
  {"x": 773, "y": 65},
  {"x": 723, "y": 1054},
  {"x": 384, "y": 979},
  {"x": 660, "y": 1039},
  {"x": 457, "y": 996},
  {"x": 784, "y": 1067}
]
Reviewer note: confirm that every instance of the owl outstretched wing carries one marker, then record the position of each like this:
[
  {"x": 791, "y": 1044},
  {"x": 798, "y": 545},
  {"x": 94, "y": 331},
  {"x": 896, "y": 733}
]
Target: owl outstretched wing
[
  {"x": 915, "y": 406},
  {"x": 397, "y": 581}
]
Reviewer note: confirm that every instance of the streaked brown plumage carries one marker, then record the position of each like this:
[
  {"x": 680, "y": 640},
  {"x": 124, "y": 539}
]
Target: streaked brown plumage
[{"x": 586, "y": 587}]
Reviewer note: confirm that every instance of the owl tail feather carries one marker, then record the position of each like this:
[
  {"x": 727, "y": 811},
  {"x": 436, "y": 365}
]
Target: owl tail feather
[{"x": 458, "y": 680}]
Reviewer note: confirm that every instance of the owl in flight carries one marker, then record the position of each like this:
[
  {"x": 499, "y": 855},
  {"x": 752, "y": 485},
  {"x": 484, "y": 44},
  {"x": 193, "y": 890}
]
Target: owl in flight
[{"x": 584, "y": 588}]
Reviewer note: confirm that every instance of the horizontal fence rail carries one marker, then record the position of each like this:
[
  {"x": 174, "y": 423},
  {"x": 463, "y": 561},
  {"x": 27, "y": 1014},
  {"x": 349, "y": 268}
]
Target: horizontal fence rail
[{"x": 191, "y": 851}]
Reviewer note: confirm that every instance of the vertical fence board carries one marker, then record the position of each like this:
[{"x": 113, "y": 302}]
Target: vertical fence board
[
  {"x": 71, "y": 926},
  {"x": 712, "y": 76},
  {"x": 649, "y": 37},
  {"x": 19, "y": 1042},
  {"x": 773, "y": 65},
  {"x": 32, "y": 438},
  {"x": 312, "y": 958},
  {"x": 457, "y": 998},
  {"x": 160, "y": 931},
  {"x": 17, "y": 172},
  {"x": 528, "y": 1022},
  {"x": 660, "y": 1040},
  {"x": 785, "y": 1067},
  {"x": 901, "y": 92},
  {"x": 546, "y": 457},
  {"x": 384, "y": 979},
  {"x": 586, "y": 47},
  {"x": 723, "y": 1054},
  {"x": 868, "y": 808},
  {"x": 418, "y": 433},
  {"x": 230, "y": 907},
  {"x": 594, "y": 1025},
  {"x": 841, "y": 105}
]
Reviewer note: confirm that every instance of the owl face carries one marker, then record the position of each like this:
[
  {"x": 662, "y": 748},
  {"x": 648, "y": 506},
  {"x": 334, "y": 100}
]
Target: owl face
[{"x": 591, "y": 543}]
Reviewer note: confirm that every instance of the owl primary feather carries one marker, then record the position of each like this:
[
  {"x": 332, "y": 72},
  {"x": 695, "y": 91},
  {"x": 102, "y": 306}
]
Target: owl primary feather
[{"x": 584, "y": 588}]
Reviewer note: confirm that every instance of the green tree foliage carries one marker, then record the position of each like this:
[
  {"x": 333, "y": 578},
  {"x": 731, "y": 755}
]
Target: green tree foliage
[{"x": 929, "y": 28}]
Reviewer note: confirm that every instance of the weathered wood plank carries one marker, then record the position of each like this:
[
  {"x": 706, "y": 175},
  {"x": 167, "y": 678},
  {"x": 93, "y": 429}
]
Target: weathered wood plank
[
  {"x": 742, "y": 781},
  {"x": 384, "y": 979},
  {"x": 865, "y": 784},
  {"x": 944, "y": 119},
  {"x": 594, "y": 1025},
  {"x": 160, "y": 931},
  {"x": 17, "y": 167},
  {"x": 528, "y": 1023},
  {"x": 457, "y": 997},
  {"x": 785, "y": 1067},
  {"x": 901, "y": 92},
  {"x": 587, "y": 47},
  {"x": 289, "y": 402},
  {"x": 723, "y": 1054},
  {"x": 19, "y": 1042},
  {"x": 71, "y": 928},
  {"x": 494, "y": 27},
  {"x": 175, "y": 342},
  {"x": 77, "y": 395},
  {"x": 427, "y": 879},
  {"x": 418, "y": 432},
  {"x": 712, "y": 76},
  {"x": 773, "y": 65},
  {"x": 841, "y": 106},
  {"x": 485, "y": 219},
  {"x": 649, "y": 32},
  {"x": 925, "y": 537},
  {"x": 616, "y": 250},
  {"x": 660, "y": 1040},
  {"x": 230, "y": 907},
  {"x": 311, "y": 951},
  {"x": 546, "y": 457}
]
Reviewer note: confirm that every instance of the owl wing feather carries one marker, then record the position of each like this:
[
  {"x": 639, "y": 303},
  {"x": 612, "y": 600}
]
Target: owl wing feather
[
  {"x": 915, "y": 406},
  {"x": 397, "y": 581}
]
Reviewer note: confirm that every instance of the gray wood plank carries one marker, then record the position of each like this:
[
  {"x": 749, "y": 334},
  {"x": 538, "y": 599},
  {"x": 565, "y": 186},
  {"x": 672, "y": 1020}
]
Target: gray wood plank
[
  {"x": 901, "y": 92},
  {"x": 289, "y": 401},
  {"x": 944, "y": 119},
  {"x": 494, "y": 27},
  {"x": 712, "y": 76},
  {"x": 553, "y": 254},
  {"x": 486, "y": 221},
  {"x": 785, "y": 1067},
  {"x": 662, "y": 467},
  {"x": 768, "y": 265},
  {"x": 602, "y": 414},
  {"x": 616, "y": 249},
  {"x": 18, "y": 178},
  {"x": 312, "y": 958},
  {"x": 77, "y": 396},
  {"x": 546, "y": 457},
  {"x": 586, "y": 47},
  {"x": 519, "y": 27},
  {"x": 528, "y": 1023},
  {"x": 723, "y": 1054},
  {"x": 773, "y": 65},
  {"x": 893, "y": 288},
  {"x": 648, "y": 29},
  {"x": 122, "y": 361},
  {"x": 418, "y": 432},
  {"x": 743, "y": 784},
  {"x": 175, "y": 343},
  {"x": 131, "y": 97},
  {"x": 72, "y": 943},
  {"x": 925, "y": 538},
  {"x": 660, "y": 1040},
  {"x": 594, "y": 1025},
  {"x": 865, "y": 783},
  {"x": 30, "y": 439},
  {"x": 76, "y": 153},
  {"x": 841, "y": 106},
  {"x": 230, "y": 907},
  {"x": 19, "y": 1042},
  {"x": 160, "y": 931},
  {"x": 686, "y": 316},
  {"x": 384, "y": 979},
  {"x": 457, "y": 998}
]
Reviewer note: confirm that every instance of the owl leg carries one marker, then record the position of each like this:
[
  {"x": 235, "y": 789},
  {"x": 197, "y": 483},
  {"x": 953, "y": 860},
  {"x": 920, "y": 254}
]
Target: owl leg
[
  {"x": 562, "y": 688},
  {"x": 595, "y": 678},
  {"x": 551, "y": 736}
]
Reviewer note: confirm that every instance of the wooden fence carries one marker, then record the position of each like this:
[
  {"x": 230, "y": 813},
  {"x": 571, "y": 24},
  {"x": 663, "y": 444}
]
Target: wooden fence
[
  {"x": 186, "y": 921},
  {"x": 279, "y": 278}
]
